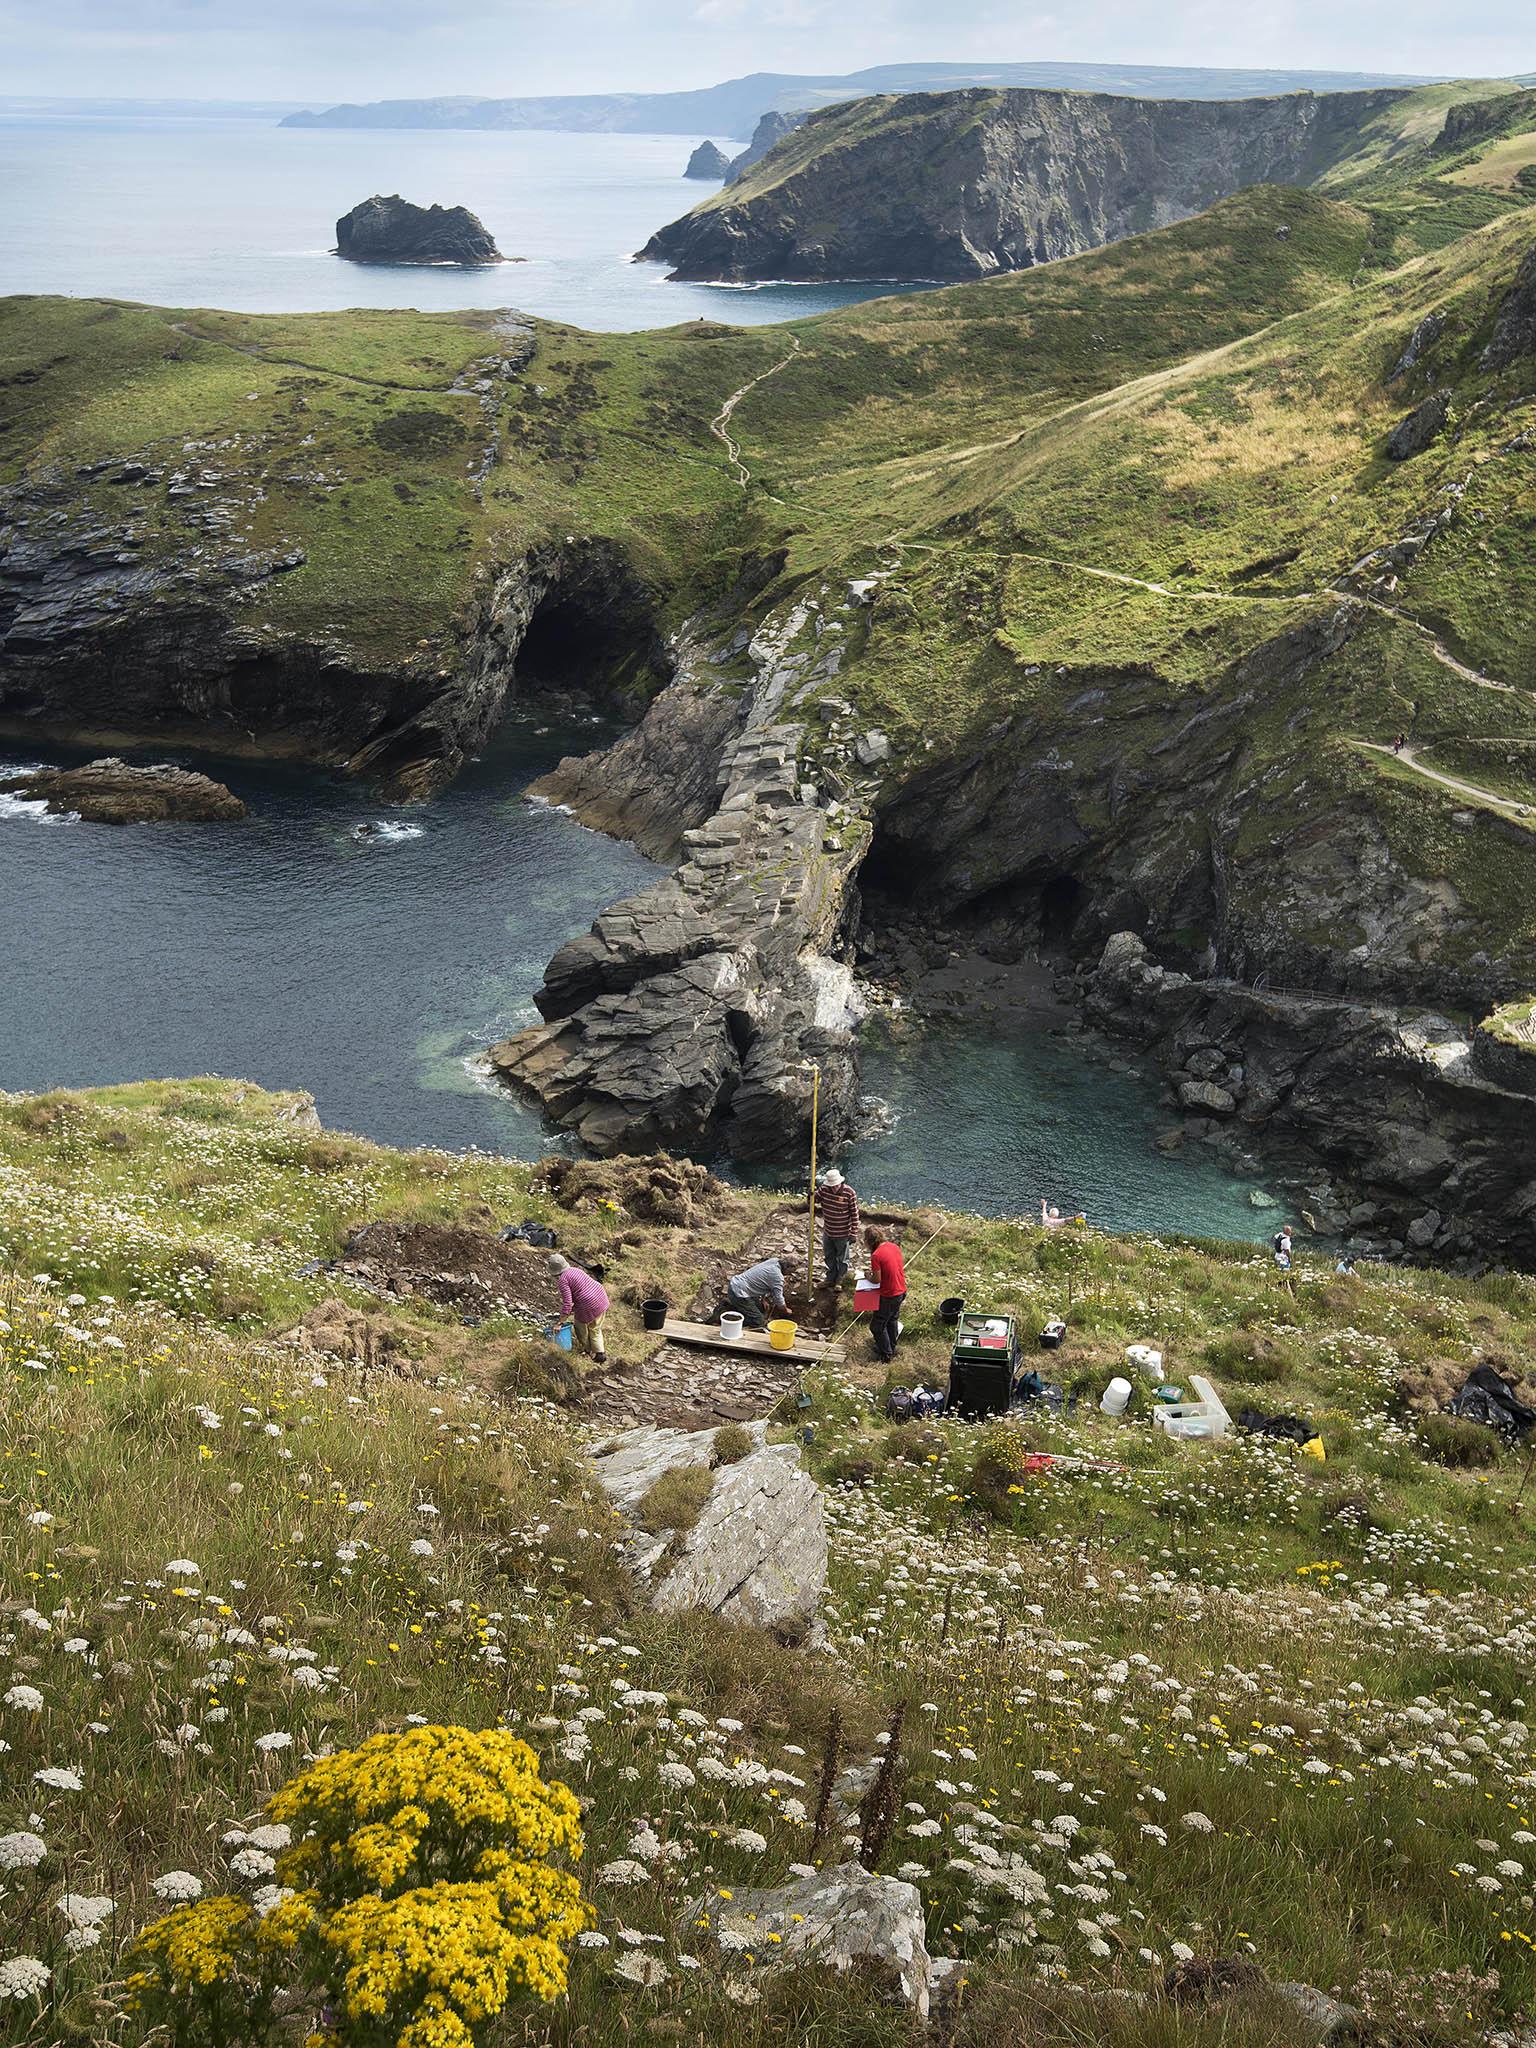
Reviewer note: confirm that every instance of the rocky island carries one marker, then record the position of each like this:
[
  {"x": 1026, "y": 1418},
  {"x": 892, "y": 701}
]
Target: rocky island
[
  {"x": 709, "y": 160},
  {"x": 392, "y": 230},
  {"x": 113, "y": 792},
  {"x": 965, "y": 184}
]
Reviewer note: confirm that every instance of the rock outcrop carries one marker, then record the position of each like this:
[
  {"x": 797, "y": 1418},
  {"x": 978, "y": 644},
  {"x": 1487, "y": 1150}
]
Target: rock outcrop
[
  {"x": 771, "y": 128},
  {"x": 1420, "y": 428},
  {"x": 757, "y": 1553},
  {"x": 844, "y": 1918},
  {"x": 392, "y": 230},
  {"x": 694, "y": 1012},
  {"x": 967, "y": 184},
  {"x": 111, "y": 792},
  {"x": 1514, "y": 332},
  {"x": 709, "y": 161},
  {"x": 1433, "y": 1157}
]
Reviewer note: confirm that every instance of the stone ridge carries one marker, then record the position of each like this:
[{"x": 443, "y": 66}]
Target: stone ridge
[{"x": 961, "y": 185}]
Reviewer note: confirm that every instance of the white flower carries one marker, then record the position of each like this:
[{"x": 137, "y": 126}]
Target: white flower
[
  {"x": 1180, "y": 1951},
  {"x": 184, "y": 1568},
  {"x": 21, "y": 1850},
  {"x": 22, "y": 1977},
  {"x": 592, "y": 1939},
  {"x": 79, "y": 1939},
  {"x": 58, "y": 1779},
  {"x": 648, "y": 1971},
  {"x": 276, "y": 1738},
  {"x": 624, "y": 1871},
  {"x": 1199, "y": 1822},
  {"x": 39, "y": 1518},
  {"x": 251, "y": 1863},
  {"x": 82, "y": 1909},
  {"x": 271, "y": 1835},
  {"x": 678, "y": 1776},
  {"x": 26, "y": 1699},
  {"x": 420, "y": 1547},
  {"x": 179, "y": 1886}
]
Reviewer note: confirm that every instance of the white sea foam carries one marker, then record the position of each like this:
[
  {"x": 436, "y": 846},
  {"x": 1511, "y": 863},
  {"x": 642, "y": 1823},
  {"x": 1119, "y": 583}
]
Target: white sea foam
[
  {"x": 33, "y": 807},
  {"x": 386, "y": 832}
]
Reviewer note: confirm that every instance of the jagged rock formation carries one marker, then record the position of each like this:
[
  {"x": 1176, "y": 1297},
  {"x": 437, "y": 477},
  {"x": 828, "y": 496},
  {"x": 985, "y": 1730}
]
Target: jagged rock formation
[
  {"x": 757, "y": 1554},
  {"x": 698, "y": 1007},
  {"x": 1413, "y": 434},
  {"x": 844, "y": 1918},
  {"x": 1394, "y": 1102},
  {"x": 966, "y": 184},
  {"x": 771, "y": 129},
  {"x": 709, "y": 160},
  {"x": 110, "y": 792},
  {"x": 1514, "y": 334},
  {"x": 392, "y": 230}
]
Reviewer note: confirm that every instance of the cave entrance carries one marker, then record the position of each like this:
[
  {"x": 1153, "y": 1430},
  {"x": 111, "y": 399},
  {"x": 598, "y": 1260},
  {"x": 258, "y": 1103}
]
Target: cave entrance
[
  {"x": 1061, "y": 901},
  {"x": 586, "y": 642}
]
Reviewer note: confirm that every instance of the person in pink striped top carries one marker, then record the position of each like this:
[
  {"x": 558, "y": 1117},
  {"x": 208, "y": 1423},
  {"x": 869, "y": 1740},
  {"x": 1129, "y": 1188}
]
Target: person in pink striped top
[{"x": 583, "y": 1303}]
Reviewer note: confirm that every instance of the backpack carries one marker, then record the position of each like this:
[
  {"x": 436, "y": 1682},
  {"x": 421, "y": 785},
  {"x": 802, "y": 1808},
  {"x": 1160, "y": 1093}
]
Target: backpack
[{"x": 899, "y": 1406}]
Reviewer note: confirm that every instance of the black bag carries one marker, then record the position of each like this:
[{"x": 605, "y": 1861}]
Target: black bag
[
  {"x": 1485, "y": 1397},
  {"x": 899, "y": 1405}
]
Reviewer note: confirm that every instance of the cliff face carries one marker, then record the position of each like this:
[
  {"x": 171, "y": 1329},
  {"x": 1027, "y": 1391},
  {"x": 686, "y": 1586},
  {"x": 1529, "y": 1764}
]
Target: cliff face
[{"x": 966, "y": 184}]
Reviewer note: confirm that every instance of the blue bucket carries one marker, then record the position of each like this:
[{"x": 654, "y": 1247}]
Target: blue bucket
[{"x": 560, "y": 1336}]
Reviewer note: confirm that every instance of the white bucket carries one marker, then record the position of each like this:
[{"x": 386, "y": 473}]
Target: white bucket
[
  {"x": 731, "y": 1327},
  {"x": 1117, "y": 1397}
]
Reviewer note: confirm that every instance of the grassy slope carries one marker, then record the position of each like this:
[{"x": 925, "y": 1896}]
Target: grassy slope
[{"x": 1328, "y": 1663}]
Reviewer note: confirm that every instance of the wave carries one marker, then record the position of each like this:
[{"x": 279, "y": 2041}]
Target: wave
[
  {"x": 385, "y": 832},
  {"x": 36, "y": 809}
]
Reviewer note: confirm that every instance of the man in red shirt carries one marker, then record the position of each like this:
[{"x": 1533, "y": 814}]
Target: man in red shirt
[{"x": 886, "y": 1264}]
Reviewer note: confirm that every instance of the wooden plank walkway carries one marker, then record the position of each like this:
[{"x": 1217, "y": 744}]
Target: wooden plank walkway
[{"x": 805, "y": 1351}]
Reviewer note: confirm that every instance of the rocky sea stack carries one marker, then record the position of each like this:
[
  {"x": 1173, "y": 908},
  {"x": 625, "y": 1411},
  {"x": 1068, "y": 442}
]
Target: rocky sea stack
[
  {"x": 392, "y": 230},
  {"x": 708, "y": 161}
]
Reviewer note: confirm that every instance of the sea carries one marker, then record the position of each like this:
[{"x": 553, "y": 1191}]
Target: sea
[{"x": 372, "y": 969}]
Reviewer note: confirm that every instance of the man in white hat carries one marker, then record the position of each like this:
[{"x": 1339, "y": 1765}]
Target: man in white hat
[{"x": 838, "y": 1208}]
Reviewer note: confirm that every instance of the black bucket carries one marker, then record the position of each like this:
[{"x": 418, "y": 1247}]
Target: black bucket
[
  {"x": 653, "y": 1314},
  {"x": 951, "y": 1309}
]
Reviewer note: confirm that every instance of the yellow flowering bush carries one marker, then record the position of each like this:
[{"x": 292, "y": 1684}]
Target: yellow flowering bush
[{"x": 418, "y": 1900}]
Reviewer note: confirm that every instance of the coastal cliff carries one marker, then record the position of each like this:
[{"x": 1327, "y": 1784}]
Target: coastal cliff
[
  {"x": 967, "y": 184},
  {"x": 1084, "y": 601}
]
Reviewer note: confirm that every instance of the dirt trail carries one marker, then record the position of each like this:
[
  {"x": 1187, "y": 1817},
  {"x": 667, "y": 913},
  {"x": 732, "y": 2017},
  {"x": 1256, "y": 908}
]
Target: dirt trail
[
  {"x": 720, "y": 425},
  {"x": 1509, "y": 807}
]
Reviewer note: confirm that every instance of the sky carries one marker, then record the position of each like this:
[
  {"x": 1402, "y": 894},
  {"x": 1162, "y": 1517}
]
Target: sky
[{"x": 318, "y": 51}]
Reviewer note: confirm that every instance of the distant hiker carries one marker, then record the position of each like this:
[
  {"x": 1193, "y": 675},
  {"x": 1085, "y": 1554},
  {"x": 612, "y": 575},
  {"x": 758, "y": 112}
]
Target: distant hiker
[
  {"x": 1051, "y": 1217},
  {"x": 1282, "y": 1247},
  {"x": 1399, "y": 743},
  {"x": 889, "y": 1270},
  {"x": 760, "y": 1288},
  {"x": 838, "y": 1207},
  {"x": 583, "y": 1304},
  {"x": 1346, "y": 1265}
]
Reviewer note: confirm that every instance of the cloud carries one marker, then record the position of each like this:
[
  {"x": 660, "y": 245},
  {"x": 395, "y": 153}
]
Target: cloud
[{"x": 356, "y": 49}]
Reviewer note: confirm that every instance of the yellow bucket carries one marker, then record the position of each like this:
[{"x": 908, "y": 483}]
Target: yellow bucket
[{"x": 781, "y": 1335}]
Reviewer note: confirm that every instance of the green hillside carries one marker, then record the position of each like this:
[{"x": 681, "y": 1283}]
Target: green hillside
[{"x": 1283, "y": 1703}]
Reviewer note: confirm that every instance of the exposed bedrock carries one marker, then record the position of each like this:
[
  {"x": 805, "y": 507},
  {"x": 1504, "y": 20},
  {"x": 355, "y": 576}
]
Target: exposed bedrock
[
  {"x": 102, "y": 635},
  {"x": 965, "y": 184},
  {"x": 693, "y": 1013}
]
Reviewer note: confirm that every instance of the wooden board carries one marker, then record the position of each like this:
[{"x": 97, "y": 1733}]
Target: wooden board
[{"x": 805, "y": 1351}]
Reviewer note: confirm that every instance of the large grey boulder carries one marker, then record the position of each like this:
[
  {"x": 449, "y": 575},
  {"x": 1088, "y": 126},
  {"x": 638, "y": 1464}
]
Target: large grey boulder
[
  {"x": 839, "y": 1917},
  {"x": 757, "y": 1553},
  {"x": 1414, "y": 433}
]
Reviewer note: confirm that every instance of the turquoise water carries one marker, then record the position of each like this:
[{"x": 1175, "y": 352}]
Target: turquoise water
[
  {"x": 991, "y": 1122},
  {"x": 242, "y": 214},
  {"x": 373, "y": 973}
]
